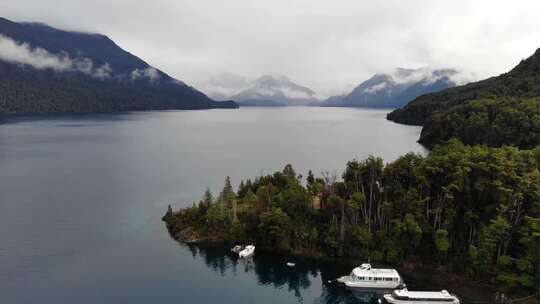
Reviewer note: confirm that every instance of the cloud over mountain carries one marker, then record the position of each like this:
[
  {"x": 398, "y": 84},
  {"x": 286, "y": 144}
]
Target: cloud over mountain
[
  {"x": 397, "y": 88},
  {"x": 151, "y": 73},
  {"x": 39, "y": 58},
  {"x": 48, "y": 70},
  {"x": 324, "y": 45},
  {"x": 270, "y": 89}
]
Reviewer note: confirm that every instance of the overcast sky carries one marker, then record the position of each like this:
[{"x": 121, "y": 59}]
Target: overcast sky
[{"x": 327, "y": 45}]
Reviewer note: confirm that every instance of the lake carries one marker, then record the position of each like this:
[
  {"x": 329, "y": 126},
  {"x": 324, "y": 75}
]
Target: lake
[{"x": 81, "y": 200}]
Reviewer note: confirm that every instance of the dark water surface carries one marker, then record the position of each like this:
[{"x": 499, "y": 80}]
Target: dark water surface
[{"x": 81, "y": 198}]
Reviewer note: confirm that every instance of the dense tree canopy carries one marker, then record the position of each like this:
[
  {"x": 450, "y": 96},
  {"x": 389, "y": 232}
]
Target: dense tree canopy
[
  {"x": 521, "y": 82},
  {"x": 473, "y": 209},
  {"x": 494, "y": 122}
]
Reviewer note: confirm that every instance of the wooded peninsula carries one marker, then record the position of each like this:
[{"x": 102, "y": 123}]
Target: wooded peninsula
[{"x": 472, "y": 210}]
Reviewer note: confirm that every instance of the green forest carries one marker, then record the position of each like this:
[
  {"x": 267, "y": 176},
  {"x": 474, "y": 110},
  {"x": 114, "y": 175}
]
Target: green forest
[
  {"x": 491, "y": 121},
  {"x": 520, "y": 82},
  {"x": 473, "y": 210}
]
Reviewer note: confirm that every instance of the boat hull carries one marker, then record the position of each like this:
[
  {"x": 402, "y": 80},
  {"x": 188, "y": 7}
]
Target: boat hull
[
  {"x": 391, "y": 300},
  {"x": 347, "y": 282}
]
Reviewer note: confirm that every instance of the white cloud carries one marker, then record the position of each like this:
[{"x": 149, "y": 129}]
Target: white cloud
[
  {"x": 39, "y": 58},
  {"x": 376, "y": 88},
  {"x": 429, "y": 75},
  {"x": 296, "y": 94},
  {"x": 103, "y": 71},
  {"x": 151, "y": 73}
]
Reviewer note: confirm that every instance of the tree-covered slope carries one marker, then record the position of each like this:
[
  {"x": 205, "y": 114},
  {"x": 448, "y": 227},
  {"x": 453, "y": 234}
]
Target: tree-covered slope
[
  {"x": 493, "y": 122},
  {"x": 473, "y": 210},
  {"x": 46, "y": 70},
  {"x": 521, "y": 81}
]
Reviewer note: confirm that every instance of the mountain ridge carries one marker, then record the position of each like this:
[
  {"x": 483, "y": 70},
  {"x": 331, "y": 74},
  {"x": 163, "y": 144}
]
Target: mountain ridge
[
  {"x": 497, "y": 111},
  {"x": 394, "y": 90},
  {"x": 48, "y": 70},
  {"x": 277, "y": 88},
  {"x": 518, "y": 82}
]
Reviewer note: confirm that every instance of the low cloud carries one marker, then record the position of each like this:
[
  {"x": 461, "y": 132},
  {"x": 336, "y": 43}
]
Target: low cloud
[
  {"x": 376, "y": 88},
  {"x": 297, "y": 94},
  {"x": 39, "y": 58},
  {"x": 224, "y": 85},
  {"x": 426, "y": 75},
  {"x": 151, "y": 73},
  {"x": 429, "y": 76},
  {"x": 103, "y": 71}
]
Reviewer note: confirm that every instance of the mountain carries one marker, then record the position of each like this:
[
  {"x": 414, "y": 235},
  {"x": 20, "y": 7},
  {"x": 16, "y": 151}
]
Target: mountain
[
  {"x": 278, "y": 90},
  {"x": 47, "y": 70},
  {"x": 394, "y": 90},
  {"x": 501, "y": 110},
  {"x": 522, "y": 81},
  {"x": 224, "y": 85}
]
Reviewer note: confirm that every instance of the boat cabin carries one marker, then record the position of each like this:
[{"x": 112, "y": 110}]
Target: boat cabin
[{"x": 365, "y": 273}]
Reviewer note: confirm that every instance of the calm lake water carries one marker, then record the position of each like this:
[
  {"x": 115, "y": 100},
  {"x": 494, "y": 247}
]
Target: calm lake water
[{"x": 81, "y": 200}]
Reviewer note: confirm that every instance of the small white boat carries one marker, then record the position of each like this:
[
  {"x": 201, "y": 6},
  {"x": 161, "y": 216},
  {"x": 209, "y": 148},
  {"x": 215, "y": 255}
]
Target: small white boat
[
  {"x": 403, "y": 296},
  {"x": 365, "y": 277},
  {"x": 290, "y": 264},
  {"x": 237, "y": 249},
  {"x": 249, "y": 251}
]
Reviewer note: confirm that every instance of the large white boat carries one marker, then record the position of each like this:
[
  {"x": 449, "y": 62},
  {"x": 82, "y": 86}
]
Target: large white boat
[
  {"x": 365, "y": 277},
  {"x": 403, "y": 296}
]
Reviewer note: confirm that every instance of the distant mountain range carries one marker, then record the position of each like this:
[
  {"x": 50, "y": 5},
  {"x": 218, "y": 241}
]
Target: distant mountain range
[
  {"x": 267, "y": 90},
  {"x": 47, "y": 70},
  {"x": 394, "y": 90},
  {"x": 380, "y": 91}
]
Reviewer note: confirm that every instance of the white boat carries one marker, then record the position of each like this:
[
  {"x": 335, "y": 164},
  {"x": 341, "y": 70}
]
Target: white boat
[
  {"x": 290, "y": 264},
  {"x": 365, "y": 277},
  {"x": 403, "y": 296},
  {"x": 249, "y": 251}
]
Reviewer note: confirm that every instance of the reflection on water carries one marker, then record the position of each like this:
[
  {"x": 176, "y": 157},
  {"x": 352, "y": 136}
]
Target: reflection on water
[{"x": 272, "y": 270}]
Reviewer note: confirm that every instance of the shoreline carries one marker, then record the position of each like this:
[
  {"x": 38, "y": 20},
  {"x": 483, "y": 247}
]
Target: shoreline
[{"x": 468, "y": 290}]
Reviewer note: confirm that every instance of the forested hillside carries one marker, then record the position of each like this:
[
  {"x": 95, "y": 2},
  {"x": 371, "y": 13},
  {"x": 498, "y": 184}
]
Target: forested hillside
[
  {"x": 46, "y": 70},
  {"x": 492, "y": 121},
  {"x": 473, "y": 210},
  {"x": 521, "y": 81}
]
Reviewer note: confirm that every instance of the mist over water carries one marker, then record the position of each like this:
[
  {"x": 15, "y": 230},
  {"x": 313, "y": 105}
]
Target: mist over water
[{"x": 81, "y": 200}]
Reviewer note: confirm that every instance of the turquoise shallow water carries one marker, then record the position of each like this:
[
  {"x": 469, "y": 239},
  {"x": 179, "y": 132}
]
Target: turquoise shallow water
[{"x": 81, "y": 197}]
